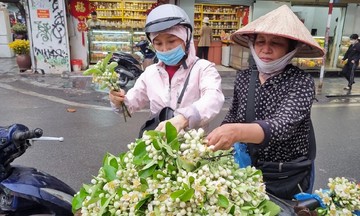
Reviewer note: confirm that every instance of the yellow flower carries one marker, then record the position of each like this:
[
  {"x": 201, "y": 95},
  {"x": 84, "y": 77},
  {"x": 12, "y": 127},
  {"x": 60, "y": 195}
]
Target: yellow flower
[{"x": 20, "y": 46}]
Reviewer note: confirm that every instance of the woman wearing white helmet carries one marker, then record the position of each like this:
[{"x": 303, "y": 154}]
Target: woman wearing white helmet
[{"x": 169, "y": 29}]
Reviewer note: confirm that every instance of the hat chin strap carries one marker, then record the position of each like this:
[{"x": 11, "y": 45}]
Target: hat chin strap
[{"x": 275, "y": 67}]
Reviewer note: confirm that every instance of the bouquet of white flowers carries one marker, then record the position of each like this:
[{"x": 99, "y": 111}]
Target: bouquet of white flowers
[
  {"x": 342, "y": 198},
  {"x": 105, "y": 75},
  {"x": 174, "y": 174}
]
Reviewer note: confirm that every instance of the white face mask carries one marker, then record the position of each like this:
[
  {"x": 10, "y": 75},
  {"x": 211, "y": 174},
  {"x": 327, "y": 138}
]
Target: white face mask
[
  {"x": 274, "y": 67},
  {"x": 353, "y": 41}
]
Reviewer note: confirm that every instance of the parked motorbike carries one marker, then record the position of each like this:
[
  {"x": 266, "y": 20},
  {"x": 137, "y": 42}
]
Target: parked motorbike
[
  {"x": 26, "y": 190},
  {"x": 130, "y": 68}
]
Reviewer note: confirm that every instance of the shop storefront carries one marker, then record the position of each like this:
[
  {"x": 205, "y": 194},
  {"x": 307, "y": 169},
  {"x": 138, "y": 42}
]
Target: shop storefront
[
  {"x": 122, "y": 24},
  {"x": 224, "y": 20},
  {"x": 123, "y": 21},
  {"x": 344, "y": 22}
]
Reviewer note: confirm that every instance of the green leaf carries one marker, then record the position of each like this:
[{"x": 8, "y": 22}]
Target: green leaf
[
  {"x": 170, "y": 131},
  {"x": 247, "y": 208},
  {"x": 143, "y": 201},
  {"x": 150, "y": 164},
  {"x": 78, "y": 200},
  {"x": 154, "y": 133},
  {"x": 92, "y": 71},
  {"x": 186, "y": 187},
  {"x": 161, "y": 163},
  {"x": 232, "y": 210},
  {"x": 158, "y": 172},
  {"x": 86, "y": 187},
  {"x": 139, "y": 153},
  {"x": 114, "y": 163},
  {"x": 171, "y": 168},
  {"x": 223, "y": 201},
  {"x": 144, "y": 184},
  {"x": 156, "y": 144},
  {"x": 168, "y": 150},
  {"x": 119, "y": 191},
  {"x": 187, "y": 195},
  {"x": 96, "y": 190},
  {"x": 185, "y": 164},
  {"x": 110, "y": 172},
  {"x": 177, "y": 194},
  {"x": 147, "y": 172},
  {"x": 146, "y": 159},
  {"x": 191, "y": 180},
  {"x": 93, "y": 200},
  {"x": 121, "y": 157},
  {"x": 112, "y": 66},
  {"x": 175, "y": 145},
  {"x": 106, "y": 61},
  {"x": 104, "y": 204},
  {"x": 106, "y": 158},
  {"x": 271, "y": 207},
  {"x": 140, "y": 148}
]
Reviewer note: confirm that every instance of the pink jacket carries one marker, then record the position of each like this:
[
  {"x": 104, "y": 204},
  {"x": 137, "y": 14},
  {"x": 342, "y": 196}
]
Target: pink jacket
[{"x": 202, "y": 100}]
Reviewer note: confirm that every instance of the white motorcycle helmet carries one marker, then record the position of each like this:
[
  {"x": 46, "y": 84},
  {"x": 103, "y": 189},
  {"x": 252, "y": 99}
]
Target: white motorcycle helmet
[{"x": 166, "y": 16}]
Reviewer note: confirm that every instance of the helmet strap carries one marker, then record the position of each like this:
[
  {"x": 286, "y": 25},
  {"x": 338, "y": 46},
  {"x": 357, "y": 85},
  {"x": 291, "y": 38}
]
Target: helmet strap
[{"x": 187, "y": 46}]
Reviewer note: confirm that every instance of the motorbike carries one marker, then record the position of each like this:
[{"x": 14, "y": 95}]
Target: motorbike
[
  {"x": 26, "y": 190},
  {"x": 130, "y": 67}
]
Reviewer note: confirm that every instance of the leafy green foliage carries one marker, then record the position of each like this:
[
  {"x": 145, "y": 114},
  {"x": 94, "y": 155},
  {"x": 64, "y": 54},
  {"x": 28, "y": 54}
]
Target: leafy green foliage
[{"x": 166, "y": 173}]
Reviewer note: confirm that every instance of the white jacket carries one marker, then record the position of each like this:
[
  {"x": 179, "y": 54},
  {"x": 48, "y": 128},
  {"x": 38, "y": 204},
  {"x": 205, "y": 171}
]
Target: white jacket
[{"x": 202, "y": 100}]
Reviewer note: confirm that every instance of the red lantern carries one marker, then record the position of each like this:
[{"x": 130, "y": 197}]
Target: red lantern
[{"x": 80, "y": 9}]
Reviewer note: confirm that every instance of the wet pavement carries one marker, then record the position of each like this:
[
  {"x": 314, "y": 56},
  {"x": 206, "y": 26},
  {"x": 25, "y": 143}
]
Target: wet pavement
[{"x": 77, "y": 87}]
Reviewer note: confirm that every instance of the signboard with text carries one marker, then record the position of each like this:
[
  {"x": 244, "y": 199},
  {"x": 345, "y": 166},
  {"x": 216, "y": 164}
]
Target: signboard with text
[{"x": 49, "y": 35}]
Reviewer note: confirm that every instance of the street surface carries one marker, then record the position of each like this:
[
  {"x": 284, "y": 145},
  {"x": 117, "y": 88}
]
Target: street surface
[{"x": 93, "y": 129}]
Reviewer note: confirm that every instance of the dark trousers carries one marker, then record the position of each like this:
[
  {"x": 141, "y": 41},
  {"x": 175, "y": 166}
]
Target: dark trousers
[
  {"x": 203, "y": 52},
  {"x": 348, "y": 72}
]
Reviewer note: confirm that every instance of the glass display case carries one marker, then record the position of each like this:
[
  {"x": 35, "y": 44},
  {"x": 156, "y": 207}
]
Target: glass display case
[
  {"x": 103, "y": 41},
  {"x": 310, "y": 63},
  {"x": 344, "y": 46},
  {"x": 120, "y": 14},
  {"x": 223, "y": 18}
]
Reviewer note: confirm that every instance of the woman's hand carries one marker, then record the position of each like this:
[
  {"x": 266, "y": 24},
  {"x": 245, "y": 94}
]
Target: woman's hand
[
  {"x": 223, "y": 137},
  {"x": 117, "y": 97},
  {"x": 179, "y": 122}
]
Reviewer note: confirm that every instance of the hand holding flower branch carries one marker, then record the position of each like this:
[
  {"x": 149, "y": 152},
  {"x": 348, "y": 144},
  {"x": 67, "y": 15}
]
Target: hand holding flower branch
[{"x": 105, "y": 75}]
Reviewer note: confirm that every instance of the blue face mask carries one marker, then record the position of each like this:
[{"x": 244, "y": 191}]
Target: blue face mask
[{"x": 171, "y": 57}]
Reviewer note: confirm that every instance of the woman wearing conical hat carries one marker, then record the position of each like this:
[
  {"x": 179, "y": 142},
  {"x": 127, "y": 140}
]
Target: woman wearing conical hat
[{"x": 283, "y": 93}]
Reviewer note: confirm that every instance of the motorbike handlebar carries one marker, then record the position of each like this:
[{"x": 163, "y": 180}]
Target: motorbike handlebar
[
  {"x": 60, "y": 139},
  {"x": 24, "y": 135}
]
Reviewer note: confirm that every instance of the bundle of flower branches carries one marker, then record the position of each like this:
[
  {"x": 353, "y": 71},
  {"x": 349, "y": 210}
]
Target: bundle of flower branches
[
  {"x": 105, "y": 75},
  {"x": 174, "y": 174},
  {"x": 342, "y": 198}
]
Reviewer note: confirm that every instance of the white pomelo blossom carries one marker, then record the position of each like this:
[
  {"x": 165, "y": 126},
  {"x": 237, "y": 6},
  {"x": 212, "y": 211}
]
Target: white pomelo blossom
[
  {"x": 341, "y": 199},
  {"x": 174, "y": 174}
]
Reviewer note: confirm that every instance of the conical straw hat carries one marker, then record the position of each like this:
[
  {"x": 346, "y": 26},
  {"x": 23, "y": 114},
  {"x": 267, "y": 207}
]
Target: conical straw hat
[{"x": 282, "y": 22}]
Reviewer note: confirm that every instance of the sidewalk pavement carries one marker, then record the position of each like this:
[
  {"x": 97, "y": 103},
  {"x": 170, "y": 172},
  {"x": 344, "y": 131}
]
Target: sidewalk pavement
[{"x": 77, "y": 85}]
